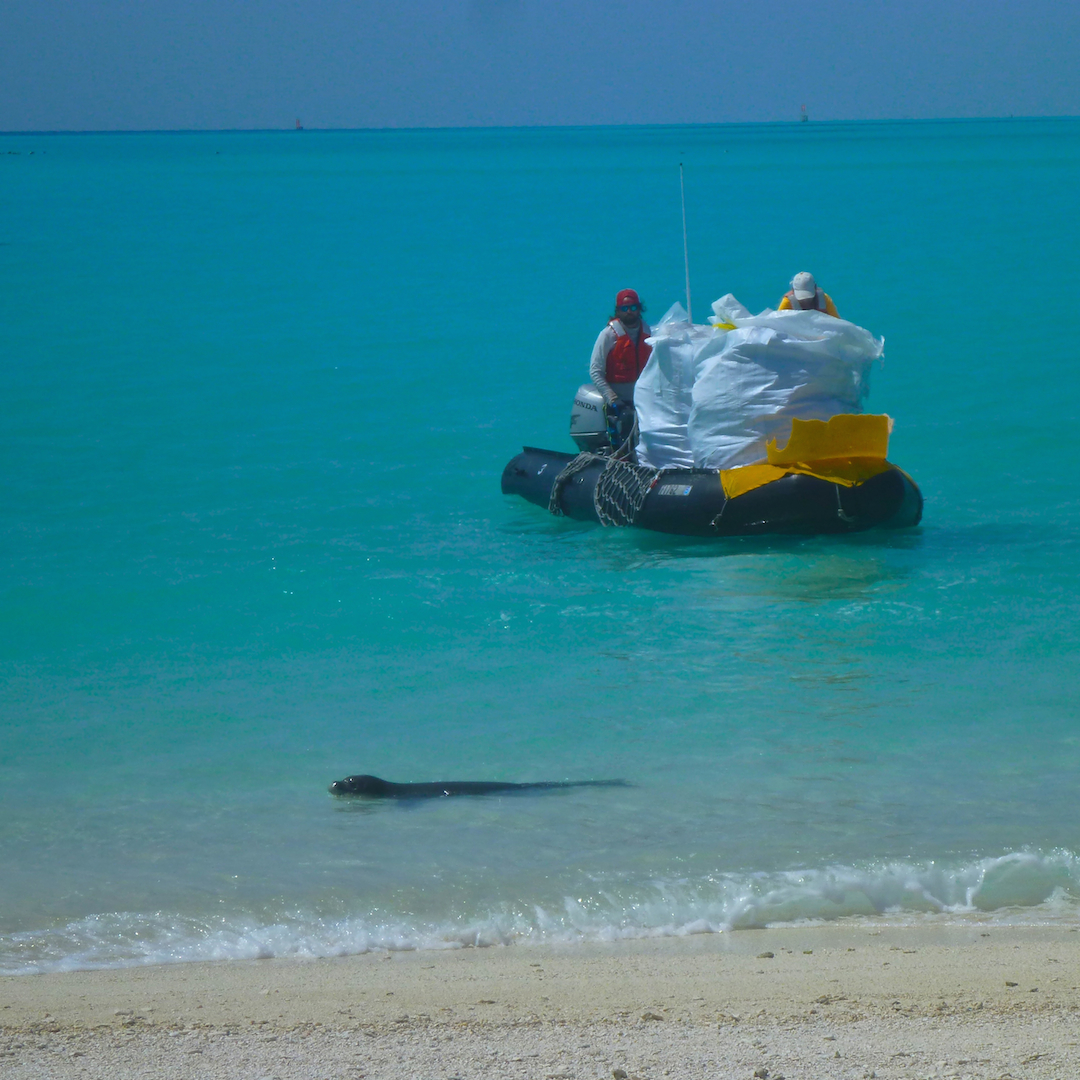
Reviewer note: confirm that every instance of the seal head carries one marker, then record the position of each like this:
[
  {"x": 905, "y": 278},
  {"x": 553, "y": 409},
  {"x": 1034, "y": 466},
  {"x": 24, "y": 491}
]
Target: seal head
[{"x": 361, "y": 785}]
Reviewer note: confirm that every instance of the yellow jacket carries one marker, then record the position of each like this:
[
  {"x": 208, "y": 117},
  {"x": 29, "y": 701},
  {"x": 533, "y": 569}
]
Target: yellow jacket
[{"x": 830, "y": 307}]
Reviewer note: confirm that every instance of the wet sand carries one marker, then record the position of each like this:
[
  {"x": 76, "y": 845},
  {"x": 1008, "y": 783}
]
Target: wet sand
[{"x": 829, "y": 1002}]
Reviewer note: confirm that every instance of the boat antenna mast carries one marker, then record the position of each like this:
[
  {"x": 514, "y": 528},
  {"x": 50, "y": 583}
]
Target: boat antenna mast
[{"x": 685, "y": 248}]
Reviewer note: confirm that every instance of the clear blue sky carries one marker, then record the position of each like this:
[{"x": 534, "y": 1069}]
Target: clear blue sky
[{"x": 138, "y": 64}]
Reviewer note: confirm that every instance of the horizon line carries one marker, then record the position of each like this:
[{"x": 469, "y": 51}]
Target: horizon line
[{"x": 797, "y": 122}]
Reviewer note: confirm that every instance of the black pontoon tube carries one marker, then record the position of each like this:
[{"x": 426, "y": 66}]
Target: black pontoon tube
[{"x": 691, "y": 502}]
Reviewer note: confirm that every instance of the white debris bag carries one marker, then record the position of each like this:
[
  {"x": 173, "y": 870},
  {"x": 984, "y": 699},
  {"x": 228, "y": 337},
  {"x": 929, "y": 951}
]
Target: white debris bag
[
  {"x": 716, "y": 396},
  {"x": 663, "y": 394}
]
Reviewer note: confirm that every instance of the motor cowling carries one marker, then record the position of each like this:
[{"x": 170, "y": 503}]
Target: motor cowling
[{"x": 588, "y": 424}]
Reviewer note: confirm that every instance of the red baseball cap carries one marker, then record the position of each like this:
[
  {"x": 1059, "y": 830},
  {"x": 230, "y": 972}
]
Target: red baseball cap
[{"x": 627, "y": 296}]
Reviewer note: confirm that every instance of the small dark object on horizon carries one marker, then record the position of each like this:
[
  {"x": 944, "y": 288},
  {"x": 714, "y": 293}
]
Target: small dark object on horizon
[{"x": 376, "y": 788}]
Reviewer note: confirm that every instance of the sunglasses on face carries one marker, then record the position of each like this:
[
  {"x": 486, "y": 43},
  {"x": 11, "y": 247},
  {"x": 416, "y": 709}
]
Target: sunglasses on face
[{"x": 628, "y": 307}]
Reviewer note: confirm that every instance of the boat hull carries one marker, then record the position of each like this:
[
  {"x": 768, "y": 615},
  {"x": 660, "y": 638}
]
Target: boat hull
[{"x": 691, "y": 502}]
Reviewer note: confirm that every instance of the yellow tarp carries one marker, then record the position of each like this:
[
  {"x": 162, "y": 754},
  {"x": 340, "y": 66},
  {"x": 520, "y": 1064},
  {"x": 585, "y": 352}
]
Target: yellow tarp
[
  {"x": 848, "y": 449},
  {"x": 844, "y": 437}
]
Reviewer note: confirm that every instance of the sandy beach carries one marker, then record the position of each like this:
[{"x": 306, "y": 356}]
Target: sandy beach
[{"x": 813, "y": 1003}]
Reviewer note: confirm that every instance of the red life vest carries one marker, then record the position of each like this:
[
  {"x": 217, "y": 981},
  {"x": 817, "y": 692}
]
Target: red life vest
[{"x": 628, "y": 357}]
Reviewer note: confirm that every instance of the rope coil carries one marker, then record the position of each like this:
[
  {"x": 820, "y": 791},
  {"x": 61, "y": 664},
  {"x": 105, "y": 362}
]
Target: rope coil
[{"x": 621, "y": 489}]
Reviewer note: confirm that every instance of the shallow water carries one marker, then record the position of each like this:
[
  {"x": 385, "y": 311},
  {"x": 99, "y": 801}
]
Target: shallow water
[{"x": 259, "y": 392}]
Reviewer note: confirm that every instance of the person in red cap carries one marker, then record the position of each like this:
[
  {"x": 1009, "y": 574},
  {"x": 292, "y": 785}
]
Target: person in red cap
[{"x": 619, "y": 357}]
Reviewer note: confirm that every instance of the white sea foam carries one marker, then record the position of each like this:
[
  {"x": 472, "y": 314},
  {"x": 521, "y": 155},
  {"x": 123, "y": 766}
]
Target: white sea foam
[{"x": 1021, "y": 887}]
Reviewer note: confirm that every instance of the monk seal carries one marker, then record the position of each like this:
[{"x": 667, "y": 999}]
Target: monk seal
[{"x": 373, "y": 787}]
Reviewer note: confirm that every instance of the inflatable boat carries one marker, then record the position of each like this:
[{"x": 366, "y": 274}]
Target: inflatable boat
[{"x": 832, "y": 477}]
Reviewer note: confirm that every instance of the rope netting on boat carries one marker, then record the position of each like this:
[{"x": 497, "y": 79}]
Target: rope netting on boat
[{"x": 620, "y": 489}]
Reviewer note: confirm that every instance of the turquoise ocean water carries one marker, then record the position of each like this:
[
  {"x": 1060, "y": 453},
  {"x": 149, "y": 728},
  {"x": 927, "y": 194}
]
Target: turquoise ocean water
[{"x": 258, "y": 391}]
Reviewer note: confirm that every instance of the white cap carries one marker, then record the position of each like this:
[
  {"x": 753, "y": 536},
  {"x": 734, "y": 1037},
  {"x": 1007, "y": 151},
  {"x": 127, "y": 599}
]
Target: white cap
[{"x": 804, "y": 286}]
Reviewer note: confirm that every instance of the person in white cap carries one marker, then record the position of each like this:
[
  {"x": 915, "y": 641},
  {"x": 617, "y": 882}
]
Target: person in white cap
[{"x": 805, "y": 295}]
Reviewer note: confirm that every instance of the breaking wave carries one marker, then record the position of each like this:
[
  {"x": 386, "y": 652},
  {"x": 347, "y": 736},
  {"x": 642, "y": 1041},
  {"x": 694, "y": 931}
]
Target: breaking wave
[{"x": 1021, "y": 887}]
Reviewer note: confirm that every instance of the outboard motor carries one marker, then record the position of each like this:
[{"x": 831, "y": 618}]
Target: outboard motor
[
  {"x": 588, "y": 424},
  {"x": 594, "y": 428}
]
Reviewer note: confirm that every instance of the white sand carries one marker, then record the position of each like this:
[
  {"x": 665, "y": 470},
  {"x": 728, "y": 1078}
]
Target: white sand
[{"x": 832, "y": 1002}]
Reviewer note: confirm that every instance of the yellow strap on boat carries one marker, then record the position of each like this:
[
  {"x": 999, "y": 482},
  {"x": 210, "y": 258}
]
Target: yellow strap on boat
[{"x": 847, "y": 449}]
